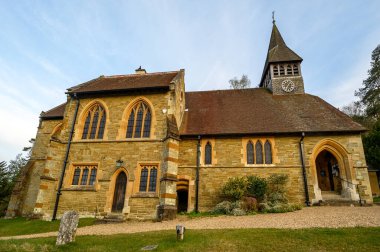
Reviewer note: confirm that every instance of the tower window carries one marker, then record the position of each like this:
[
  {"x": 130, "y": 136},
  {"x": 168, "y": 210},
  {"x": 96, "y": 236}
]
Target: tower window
[
  {"x": 282, "y": 70},
  {"x": 295, "y": 69},
  {"x": 289, "y": 70},
  {"x": 139, "y": 121},
  {"x": 275, "y": 70}
]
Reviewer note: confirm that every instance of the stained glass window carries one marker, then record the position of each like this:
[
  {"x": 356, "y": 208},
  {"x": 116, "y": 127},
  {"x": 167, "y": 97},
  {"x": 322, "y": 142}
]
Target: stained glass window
[{"x": 268, "y": 152}]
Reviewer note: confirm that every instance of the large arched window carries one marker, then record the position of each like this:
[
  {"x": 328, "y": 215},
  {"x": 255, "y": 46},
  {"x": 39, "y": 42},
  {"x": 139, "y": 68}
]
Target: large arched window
[
  {"x": 268, "y": 152},
  {"x": 208, "y": 150},
  {"x": 139, "y": 121},
  {"x": 259, "y": 152},
  {"x": 250, "y": 158},
  {"x": 95, "y": 123}
]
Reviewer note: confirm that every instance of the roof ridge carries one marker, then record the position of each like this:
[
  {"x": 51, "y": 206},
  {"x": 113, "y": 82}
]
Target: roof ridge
[
  {"x": 45, "y": 112},
  {"x": 134, "y": 74}
]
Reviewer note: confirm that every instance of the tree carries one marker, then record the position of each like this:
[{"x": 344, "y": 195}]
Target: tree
[
  {"x": 244, "y": 82},
  {"x": 371, "y": 144},
  {"x": 356, "y": 111},
  {"x": 5, "y": 187},
  {"x": 370, "y": 93}
]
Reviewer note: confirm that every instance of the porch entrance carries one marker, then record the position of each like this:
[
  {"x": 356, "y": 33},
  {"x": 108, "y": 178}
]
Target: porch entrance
[
  {"x": 328, "y": 172},
  {"x": 119, "y": 193}
]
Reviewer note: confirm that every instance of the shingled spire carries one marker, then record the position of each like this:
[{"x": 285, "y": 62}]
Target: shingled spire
[{"x": 281, "y": 64}]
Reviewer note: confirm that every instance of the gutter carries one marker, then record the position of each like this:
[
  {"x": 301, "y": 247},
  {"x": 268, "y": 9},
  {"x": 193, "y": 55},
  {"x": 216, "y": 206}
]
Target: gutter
[
  {"x": 301, "y": 146},
  {"x": 74, "y": 96},
  {"x": 197, "y": 175}
]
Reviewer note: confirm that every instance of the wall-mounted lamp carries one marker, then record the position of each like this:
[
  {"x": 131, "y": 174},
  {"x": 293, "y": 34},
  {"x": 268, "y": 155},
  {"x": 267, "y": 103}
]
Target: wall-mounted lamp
[
  {"x": 119, "y": 163},
  {"x": 164, "y": 110}
]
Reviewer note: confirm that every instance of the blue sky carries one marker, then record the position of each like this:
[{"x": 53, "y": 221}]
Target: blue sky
[{"x": 48, "y": 46}]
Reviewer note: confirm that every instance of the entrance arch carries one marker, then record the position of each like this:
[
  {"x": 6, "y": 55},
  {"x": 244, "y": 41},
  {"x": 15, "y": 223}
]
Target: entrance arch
[
  {"x": 119, "y": 192},
  {"x": 182, "y": 195},
  {"x": 329, "y": 150}
]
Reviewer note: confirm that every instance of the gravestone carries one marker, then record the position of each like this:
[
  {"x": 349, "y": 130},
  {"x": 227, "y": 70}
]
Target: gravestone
[{"x": 67, "y": 228}]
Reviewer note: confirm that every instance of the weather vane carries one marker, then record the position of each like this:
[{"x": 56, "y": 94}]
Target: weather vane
[{"x": 273, "y": 21}]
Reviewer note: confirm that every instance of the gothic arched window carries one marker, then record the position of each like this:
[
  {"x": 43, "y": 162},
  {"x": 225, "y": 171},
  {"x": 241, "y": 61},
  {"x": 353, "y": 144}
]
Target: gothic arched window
[
  {"x": 76, "y": 176},
  {"x": 143, "y": 179},
  {"x": 139, "y": 121},
  {"x": 92, "y": 176},
  {"x": 268, "y": 152},
  {"x": 250, "y": 158},
  {"x": 95, "y": 123},
  {"x": 84, "y": 177},
  {"x": 152, "y": 180},
  {"x": 259, "y": 152},
  {"x": 208, "y": 151}
]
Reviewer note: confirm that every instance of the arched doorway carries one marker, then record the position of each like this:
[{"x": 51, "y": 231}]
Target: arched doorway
[
  {"x": 328, "y": 172},
  {"x": 182, "y": 195},
  {"x": 119, "y": 193}
]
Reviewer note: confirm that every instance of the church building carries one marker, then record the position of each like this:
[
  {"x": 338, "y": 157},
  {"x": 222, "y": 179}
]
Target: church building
[{"x": 141, "y": 147}]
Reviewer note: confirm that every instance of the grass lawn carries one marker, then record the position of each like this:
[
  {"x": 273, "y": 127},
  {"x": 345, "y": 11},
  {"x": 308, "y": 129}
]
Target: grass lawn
[
  {"x": 21, "y": 226},
  {"x": 347, "y": 239}
]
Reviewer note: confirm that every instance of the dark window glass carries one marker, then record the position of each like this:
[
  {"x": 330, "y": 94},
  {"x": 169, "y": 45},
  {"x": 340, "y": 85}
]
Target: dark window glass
[
  {"x": 92, "y": 176},
  {"x": 143, "y": 179},
  {"x": 153, "y": 180},
  {"x": 250, "y": 153},
  {"x": 147, "y": 124},
  {"x": 259, "y": 152},
  {"x": 94, "y": 125},
  {"x": 268, "y": 152},
  {"x": 84, "y": 176},
  {"x": 282, "y": 70},
  {"x": 295, "y": 69},
  {"x": 289, "y": 70},
  {"x": 102, "y": 126},
  {"x": 139, "y": 122},
  {"x": 131, "y": 121},
  {"x": 208, "y": 150},
  {"x": 76, "y": 176},
  {"x": 86, "y": 125}
]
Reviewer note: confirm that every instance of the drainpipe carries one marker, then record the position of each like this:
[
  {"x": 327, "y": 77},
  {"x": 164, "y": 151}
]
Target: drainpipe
[
  {"x": 197, "y": 174},
  {"x": 66, "y": 157},
  {"x": 307, "y": 200}
]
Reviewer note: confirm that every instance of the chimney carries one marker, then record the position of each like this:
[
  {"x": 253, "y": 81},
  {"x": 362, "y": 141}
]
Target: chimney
[{"x": 140, "y": 71}]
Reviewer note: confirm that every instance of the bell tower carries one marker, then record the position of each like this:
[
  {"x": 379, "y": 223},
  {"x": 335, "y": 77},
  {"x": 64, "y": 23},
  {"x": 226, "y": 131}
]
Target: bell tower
[{"x": 282, "y": 69}]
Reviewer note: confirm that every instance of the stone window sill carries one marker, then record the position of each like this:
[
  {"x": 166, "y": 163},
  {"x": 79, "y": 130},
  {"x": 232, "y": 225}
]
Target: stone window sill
[
  {"x": 82, "y": 188},
  {"x": 145, "y": 195}
]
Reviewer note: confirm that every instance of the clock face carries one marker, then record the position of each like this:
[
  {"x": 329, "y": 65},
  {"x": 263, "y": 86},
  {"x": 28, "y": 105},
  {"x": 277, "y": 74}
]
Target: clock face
[{"x": 287, "y": 86}]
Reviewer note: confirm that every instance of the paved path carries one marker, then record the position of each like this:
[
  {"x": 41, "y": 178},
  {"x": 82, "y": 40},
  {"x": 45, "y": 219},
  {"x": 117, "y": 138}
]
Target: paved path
[{"x": 329, "y": 217}]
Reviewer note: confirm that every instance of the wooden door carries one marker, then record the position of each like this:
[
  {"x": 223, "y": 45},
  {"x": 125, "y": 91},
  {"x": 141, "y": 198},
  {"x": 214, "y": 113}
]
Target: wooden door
[
  {"x": 119, "y": 194},
  {"x": 323, "y": 176}
]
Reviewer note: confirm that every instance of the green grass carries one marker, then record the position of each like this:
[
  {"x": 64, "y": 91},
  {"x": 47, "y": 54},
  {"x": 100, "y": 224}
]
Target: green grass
[
  {"x": 376, "y": 199},
  {"x": 21, "y": 226},
  {"x": 347, "y": 239}
]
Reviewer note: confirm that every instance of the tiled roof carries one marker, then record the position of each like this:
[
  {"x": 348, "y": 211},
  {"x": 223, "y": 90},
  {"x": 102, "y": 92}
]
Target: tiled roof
[
  {"x": 257, "y": 111},
  {"x": 125, "y": 82},
  {"x": 54, "y": 113}
]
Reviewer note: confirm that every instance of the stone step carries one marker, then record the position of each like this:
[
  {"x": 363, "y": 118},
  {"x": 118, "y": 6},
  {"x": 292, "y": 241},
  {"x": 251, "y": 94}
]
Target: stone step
[{"x": 113, "y": 218}]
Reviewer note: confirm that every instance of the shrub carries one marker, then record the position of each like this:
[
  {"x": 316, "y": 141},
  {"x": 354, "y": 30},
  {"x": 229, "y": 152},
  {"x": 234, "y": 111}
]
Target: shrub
[
  {"x": 249, "y": 204},
  {"x": 238, "y": 212},
  {"x": 224, "y": 207},
  {"x": 276, "y": 188},
  {"x": 256, "y": 187},
  {"x": 235, "y": 188}
]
